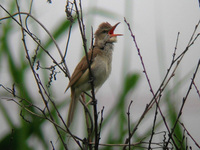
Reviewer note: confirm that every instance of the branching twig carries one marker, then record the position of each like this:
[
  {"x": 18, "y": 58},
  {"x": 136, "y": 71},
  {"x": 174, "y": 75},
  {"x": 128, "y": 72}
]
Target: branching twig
[
  {"x": 82, "y": 30},
  {"x": 35, "y": 75},
  {"x": 65, "y": 70},
  {"x": 46, "y": 113},
  {"x": 196, "y": 88},
  {"x": 68, "y": 11},
  {"x": 189, "y": 135},
  {"x": 184, "y": 100},
  {"x": 154, "y": 100},
  {"x": 164, "y": 83}
]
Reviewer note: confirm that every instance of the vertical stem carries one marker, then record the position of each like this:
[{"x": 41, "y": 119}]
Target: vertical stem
[{"x": 82, "y": 30}]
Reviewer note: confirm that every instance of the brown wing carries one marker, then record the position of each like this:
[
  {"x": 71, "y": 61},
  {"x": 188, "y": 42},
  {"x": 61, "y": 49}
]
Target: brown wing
[{"x": 82, "y": 67}]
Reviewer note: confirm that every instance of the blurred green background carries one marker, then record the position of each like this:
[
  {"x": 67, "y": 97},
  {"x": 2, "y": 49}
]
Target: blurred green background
[{"x": 156, "y": 33}]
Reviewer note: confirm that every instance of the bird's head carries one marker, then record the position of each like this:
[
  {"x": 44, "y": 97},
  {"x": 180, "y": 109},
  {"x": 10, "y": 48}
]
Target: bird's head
[{"x": 105, "y": 34}]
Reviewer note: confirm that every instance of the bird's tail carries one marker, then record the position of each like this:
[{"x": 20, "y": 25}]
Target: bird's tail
[{"x": 74, "y": 100}]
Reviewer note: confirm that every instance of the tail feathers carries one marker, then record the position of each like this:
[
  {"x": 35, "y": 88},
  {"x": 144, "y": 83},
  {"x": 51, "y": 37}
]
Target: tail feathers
[{"x": 72, "y": 107}]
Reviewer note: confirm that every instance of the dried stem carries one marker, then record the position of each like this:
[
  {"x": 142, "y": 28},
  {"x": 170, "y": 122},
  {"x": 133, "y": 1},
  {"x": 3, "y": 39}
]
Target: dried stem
[
  {"x": 154, "y": 100},
  {"x": 196, "y": 89},
  {"x": 189, "y": 135},
  {"x": 65, "y": 70},
  {"x": 183, "y": 103},
  {"x": 35, "y": 76},
  {"x": 129, "y": 126},
  {"x": 163, "y": 85},
  {"x": 82, "y": 30}
]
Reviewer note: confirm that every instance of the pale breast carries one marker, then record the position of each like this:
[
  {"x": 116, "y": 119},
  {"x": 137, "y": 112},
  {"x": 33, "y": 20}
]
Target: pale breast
[{"x": 101, "y": 70}]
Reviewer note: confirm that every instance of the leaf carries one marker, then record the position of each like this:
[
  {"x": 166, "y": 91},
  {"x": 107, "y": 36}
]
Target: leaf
[{"x": 130, "y": 82}]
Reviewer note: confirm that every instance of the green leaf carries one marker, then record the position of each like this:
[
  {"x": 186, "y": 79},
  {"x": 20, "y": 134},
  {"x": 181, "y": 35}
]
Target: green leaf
[{"x": 130, "y": 82}]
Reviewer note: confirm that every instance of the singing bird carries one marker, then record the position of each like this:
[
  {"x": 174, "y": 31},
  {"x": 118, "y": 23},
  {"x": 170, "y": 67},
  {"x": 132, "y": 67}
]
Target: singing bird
[{"x": 100, "y": 58}]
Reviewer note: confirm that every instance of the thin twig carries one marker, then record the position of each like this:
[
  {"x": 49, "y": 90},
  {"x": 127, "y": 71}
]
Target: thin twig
[
  {"x": 40, "y": 90},
  {"x": 188, "y": 133},
  {"x": 154, "y": 100},
  {"x": 129, "y": 125},
  {"x": 153, "y": 127},
  {"x": 65, "y": 70},
  {"x": 100, "y": 125},
  {"x": 70, "y": 18},
  {"x": 82, "y": 30},
  {"x": 196, "y": 88},
  {"x": 184, "y": 100}
]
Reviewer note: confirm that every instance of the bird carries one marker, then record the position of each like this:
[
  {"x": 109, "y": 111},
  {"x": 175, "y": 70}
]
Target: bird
[{"x": 100, "y": 58}]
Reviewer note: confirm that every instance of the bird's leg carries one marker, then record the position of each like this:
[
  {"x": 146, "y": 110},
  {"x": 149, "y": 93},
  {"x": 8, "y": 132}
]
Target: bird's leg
[{"x": 91, "y": 102}]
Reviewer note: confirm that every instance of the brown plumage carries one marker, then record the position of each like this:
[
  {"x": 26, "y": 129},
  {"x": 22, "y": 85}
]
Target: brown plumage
[{"x": 101, "y": 56}]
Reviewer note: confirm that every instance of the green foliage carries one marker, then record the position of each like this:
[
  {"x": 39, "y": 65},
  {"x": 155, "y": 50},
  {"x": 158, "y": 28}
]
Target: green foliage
[
  {"x": 18, "y": 136},
  {"x": 118, "y": 111}
]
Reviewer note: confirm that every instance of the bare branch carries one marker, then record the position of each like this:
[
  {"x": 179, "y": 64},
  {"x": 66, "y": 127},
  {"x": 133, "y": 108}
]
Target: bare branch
[{"x": 189, "y": 135}]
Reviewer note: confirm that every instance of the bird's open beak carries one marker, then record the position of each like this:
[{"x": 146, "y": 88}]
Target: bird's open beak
[{"x": 111, "y": 32}]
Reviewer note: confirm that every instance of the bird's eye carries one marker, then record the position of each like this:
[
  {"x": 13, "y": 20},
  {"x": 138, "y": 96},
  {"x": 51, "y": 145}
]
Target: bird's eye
[{"x": 104, "y": 31}]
